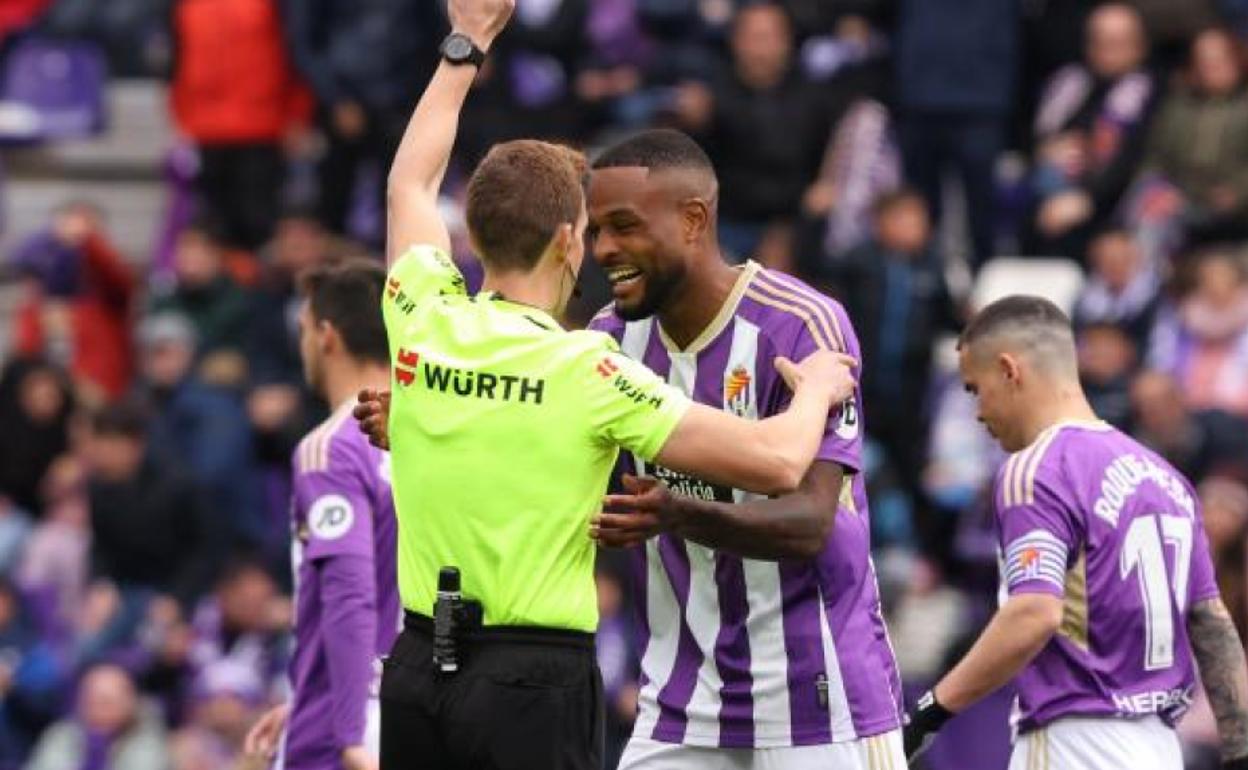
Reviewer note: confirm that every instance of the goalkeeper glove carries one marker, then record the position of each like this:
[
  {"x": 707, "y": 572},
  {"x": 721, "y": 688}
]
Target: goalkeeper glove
[{"x": 922, "y": 724}]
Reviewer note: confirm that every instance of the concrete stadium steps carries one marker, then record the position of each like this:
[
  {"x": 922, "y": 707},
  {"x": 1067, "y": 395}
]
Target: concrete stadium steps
[{"x": 120, "y": 171}]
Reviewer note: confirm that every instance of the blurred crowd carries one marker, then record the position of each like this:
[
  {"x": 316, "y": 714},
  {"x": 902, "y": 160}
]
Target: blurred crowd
[{"x": 890, "y": 152}]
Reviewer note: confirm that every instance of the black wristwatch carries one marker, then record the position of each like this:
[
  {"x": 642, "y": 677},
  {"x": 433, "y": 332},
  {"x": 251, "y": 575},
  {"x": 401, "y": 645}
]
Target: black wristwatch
[{"x": 458, "y": 48}]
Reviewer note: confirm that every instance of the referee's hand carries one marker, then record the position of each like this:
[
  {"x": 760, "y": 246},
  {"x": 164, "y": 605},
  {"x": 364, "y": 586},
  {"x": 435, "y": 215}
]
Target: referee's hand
[
  {"x": 821, "y": 369},
  {"x": 372, "y": 414},
  {"x": 481, "y": 20}
]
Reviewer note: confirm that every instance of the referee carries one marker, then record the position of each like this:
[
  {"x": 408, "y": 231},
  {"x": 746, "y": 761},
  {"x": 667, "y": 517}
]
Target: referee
[{"x": 503, "y": 431}]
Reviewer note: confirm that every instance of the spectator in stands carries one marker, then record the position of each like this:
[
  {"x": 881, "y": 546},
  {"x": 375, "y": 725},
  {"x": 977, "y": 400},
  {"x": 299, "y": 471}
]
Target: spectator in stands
[
  {"x": 618, "y": 54},
  {"x": 31, "y": 675},
  {"x": 955, "y": 87},
  {"x": 112, "y": 729},
  {"x": 617, "y": 659},
  {"x": 764, "y": 172},
  {"x": 1197, "y": 442},
  {"x": 893, "y": 286},
  {"x": 813, "y": 19},
  {"x": 1196, "y": 177},
  {"x": 14, "y": 530},
  {"x": 1224, "y": 506},
  {"x": 234, "y": 663},
  {"x": 54, "y": 568},
  {"x": 1108, "y": 358},
  {"x": 862, "y": 163},
  {"x": 366, "y": 61},
  {"x": 279, "y": 405},
  {"x": 1124, "y": 288},
  {"x": 206, "y": 294},
  {"x": 153, "y": 533},
  {"x": 1202, "y": 341},
  {"x": 35, "y": 407},
  {"x": 1173, "y": 24},
  {"x": 17, "y": 15},
  {"x": 236, "y": 95},
  {"x": 200, "y": 426},
  {"x": 76, "y": 311},
  {"x": 528, "y": 88},
  {"x": 1090, "y": 132}
]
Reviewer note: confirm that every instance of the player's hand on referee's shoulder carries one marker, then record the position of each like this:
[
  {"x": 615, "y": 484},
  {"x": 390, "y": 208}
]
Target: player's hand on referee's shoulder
[
  {"x": 922, "y": 724},
  {"x": 480, "y": 20},
  {"x": 647, "y": 509},
  {"x": 372, "y": 415},
  {"x": 821, "y": 369}
]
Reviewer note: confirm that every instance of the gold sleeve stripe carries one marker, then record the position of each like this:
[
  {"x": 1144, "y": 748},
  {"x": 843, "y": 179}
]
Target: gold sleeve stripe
[
  {"x": 1007, "y": 479},
  {"x": 811, "y": 301},
  {"x": 820, "y": 338},
  {"x": 1029, "y": 493}
]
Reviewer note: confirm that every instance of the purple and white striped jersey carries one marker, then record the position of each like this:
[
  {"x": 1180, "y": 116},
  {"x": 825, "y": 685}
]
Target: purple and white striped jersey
[
  {"x": 755, "y": 654},
  {"x": 343, "y": 556},
  {"x": 1089, "y": 515}
]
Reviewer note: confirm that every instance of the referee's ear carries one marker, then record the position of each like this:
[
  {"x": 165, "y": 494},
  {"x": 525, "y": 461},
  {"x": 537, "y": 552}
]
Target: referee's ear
[{"x": 561, "y": 243}]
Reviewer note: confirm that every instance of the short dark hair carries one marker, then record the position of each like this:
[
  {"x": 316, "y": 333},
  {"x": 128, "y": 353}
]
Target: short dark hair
[
  {"x": 520, "y": 194},
  {"x": 347, "y": 295},
  {"x": 656, "y": 149},
  {"x": 1018, "y": 311},
  {"x": 125, "y": 419},
  {"x": 895, "y": 197}
]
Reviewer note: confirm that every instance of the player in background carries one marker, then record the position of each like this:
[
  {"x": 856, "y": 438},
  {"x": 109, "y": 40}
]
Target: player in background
[
  {"x": 1107, "y": 586},
  {"x": 763, "y": 642},
  {"x": 343, "y": 539}
]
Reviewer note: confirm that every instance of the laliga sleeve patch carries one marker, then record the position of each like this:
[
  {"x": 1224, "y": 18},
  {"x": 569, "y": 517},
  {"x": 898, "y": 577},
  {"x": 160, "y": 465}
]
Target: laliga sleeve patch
[
  {"x": 331, "y": 517},
  {"x": 848, "y": 426}
]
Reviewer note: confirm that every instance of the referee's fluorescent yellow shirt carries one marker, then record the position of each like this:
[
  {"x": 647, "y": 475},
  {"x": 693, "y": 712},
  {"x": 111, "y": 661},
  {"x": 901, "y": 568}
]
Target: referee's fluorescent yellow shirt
[{"x": 504, "y": 429}]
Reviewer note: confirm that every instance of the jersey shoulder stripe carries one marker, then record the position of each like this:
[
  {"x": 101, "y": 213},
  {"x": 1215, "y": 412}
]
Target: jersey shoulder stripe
[
  {"x": 821, "y": 306},
  {"x": 1018, "y": 482},
  {"x": 817, "y": 334},
  {"x": 313, "y": 451}
]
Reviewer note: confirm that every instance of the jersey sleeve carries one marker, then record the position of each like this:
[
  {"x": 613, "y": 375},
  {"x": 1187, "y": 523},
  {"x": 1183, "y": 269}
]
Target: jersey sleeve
[
  {"x": 421, "y": 273},
  {"x": 336, "y": 507},
  {"x": 1038, "y": 532},
  {"x": 629, "y": 405},
  {"x": 842, "y": 441},
  {"x": 1202, "y": 579}
]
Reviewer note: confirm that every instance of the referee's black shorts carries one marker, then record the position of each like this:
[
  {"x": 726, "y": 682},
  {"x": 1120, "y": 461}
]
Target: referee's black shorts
[{"x": 523, "y": 699}]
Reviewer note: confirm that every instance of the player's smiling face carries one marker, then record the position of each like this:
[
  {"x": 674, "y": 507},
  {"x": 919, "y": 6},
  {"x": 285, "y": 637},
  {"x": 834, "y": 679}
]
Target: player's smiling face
[
  {"x": 983, "y": 378},
  {"x": 635, "y": 233}
]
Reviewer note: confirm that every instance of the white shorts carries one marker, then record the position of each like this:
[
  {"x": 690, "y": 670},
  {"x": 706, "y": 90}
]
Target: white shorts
[
  {"x": 878, "y": 752},
  {"x": 1090, "y": 743}
]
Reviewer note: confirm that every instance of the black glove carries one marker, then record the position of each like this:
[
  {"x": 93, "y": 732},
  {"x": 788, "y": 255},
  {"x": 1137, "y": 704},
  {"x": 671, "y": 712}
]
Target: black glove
[
  {"x": 1236, "y": 764},
  {"x": 922, "y": 724}
]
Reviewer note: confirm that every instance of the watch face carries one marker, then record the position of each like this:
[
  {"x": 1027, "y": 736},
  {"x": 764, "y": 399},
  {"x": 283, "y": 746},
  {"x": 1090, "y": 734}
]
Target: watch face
[{"x": 458, "y": 48}]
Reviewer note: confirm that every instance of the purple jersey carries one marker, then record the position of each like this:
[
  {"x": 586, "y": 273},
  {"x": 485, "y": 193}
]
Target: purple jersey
[
  {"x": 1089, "y": 515},
  {"x": 746, "y": 653},
  {"x": 347, "y": 611}
]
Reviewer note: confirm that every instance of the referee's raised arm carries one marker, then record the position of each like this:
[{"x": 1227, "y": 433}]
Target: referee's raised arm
[{"x": 421, "y": 161}]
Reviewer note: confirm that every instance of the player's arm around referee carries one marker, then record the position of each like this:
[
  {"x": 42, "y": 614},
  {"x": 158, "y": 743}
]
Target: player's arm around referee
[{"x": 503, "y": 431}]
